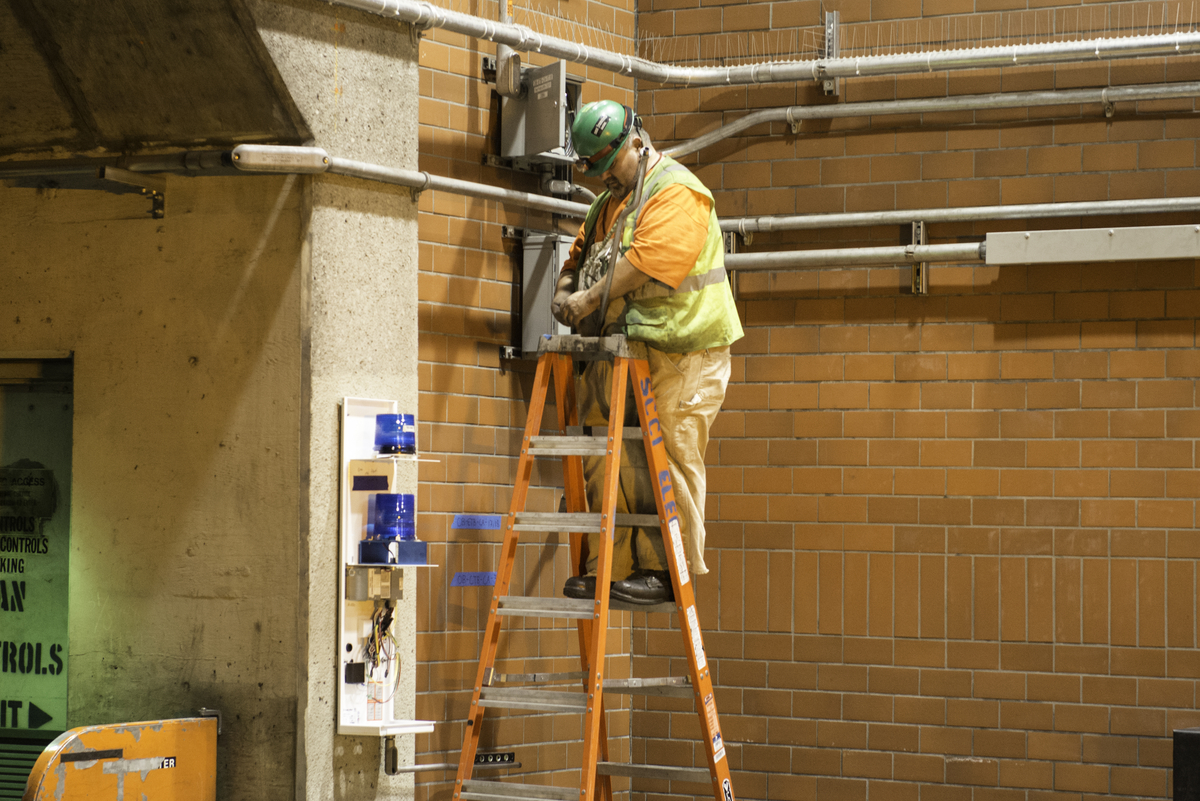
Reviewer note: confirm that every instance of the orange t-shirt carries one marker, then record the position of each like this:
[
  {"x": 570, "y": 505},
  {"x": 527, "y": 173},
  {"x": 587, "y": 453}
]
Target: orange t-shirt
[{"x": 670, "y": 233}]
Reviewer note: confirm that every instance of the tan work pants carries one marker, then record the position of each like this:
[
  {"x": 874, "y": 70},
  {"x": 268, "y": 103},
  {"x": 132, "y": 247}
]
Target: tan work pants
[{"x": 688, "y": 391}]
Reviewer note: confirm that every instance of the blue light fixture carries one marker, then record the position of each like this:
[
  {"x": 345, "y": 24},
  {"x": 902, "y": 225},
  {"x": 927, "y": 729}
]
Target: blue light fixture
[{"x": 395, "y": 433}]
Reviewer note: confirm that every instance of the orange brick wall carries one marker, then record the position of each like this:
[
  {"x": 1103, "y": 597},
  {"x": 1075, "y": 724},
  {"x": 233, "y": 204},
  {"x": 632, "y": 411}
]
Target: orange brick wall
[
  {"x": 952, "y": 537},
  {"x": 472, "y": 407}
]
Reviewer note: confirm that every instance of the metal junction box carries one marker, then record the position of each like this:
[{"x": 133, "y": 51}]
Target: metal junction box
[
  {"x": 535, "y": 126},
  {"x": 544, "y": 257}
]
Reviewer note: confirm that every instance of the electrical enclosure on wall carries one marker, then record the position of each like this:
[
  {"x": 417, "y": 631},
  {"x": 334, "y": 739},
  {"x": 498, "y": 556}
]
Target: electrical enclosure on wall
[
  {"x": 544, "y": 255},
  {"x": 534, "y": 127},
  {"x": 370, "y": 681}
]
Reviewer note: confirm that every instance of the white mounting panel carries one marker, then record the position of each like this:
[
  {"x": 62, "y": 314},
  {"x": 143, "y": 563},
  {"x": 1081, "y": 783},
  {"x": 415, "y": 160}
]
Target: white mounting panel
[{"x": 357, "y": 714}]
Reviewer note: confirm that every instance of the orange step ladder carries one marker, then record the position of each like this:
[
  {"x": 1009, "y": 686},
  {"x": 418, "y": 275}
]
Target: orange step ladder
[{"x": 556, "y": 366}]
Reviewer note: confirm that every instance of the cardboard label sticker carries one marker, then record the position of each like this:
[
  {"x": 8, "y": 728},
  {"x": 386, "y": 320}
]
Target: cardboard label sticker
[
  {"x": 697, "y": 641},
  {"x": 677, "y": 544}
]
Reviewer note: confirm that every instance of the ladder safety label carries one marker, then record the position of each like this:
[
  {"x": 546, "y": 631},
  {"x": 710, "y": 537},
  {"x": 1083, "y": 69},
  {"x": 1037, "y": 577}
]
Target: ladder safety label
[
  {"x": 697, "y": 641},
  {"x": 477, "y": 522},
  {"x": 714, "y": 728},
  {"x": 677, "y": 543},
  {"x": 473, "y": 580},
  {"x": 726, "y": 790},
  {"x": 652, "y": 425}
]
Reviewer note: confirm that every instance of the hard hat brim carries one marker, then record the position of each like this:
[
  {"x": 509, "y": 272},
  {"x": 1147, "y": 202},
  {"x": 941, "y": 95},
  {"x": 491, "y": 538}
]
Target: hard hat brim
[{"x": 601, "y": 166}]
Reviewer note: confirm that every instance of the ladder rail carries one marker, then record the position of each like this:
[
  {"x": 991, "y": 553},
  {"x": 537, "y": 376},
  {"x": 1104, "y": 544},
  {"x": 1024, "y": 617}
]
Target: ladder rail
[
  {"x": 508, "y": 552},
  {"x": 594, "y": 720},
  {"x": 689, "y": 623},
  {"x": 575, "y": 499}
]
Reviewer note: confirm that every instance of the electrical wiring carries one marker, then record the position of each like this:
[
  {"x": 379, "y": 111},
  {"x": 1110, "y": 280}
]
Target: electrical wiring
[{"x": 381, "y": 652}]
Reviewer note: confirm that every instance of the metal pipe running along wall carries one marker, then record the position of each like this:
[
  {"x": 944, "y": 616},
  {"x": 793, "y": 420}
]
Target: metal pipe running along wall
[
  {"x": 311, "y": 160},
  {"x": 1060, "y": 97},
  {"x": 1024, "y": 211},
  {"x": 853, "y": 257},
  {"x": 425, "y": 15}
]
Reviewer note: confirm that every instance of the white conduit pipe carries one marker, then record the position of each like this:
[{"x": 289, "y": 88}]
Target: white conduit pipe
[
  {"x": 796, "y": 114},
  {"x": 848, "y": 257},
  {"x": 311, "y": 160},
  {"x": 1025, "y": 211},
  {"x": 426, "y": 15}
]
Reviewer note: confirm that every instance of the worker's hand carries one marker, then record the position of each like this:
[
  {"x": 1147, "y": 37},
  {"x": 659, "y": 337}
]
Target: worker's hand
[
  {"x": 557, "y": 305},
  {"x": 577, "y": 306}
]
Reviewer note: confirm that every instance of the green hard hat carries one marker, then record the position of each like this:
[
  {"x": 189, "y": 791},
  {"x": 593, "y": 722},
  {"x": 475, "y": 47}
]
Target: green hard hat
[{"x": 599, "y": 131}]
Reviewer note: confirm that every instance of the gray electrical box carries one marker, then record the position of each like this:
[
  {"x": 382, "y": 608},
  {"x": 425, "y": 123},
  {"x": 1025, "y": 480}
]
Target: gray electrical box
[
  {"x": 544, "y": 257},
  {"x": 534, "y": 126}
]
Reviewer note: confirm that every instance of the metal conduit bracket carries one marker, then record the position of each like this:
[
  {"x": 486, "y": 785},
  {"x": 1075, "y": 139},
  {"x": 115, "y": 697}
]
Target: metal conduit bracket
[
  {"x": 1109, "y": 108},
  {"x": 152, "y": 187},
  {"x": 920, "y": 269},
  {"x": 830, "y": 49}
]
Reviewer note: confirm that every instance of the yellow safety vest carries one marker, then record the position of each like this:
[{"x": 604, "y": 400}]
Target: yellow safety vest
[{"x": 700, "y": 313}]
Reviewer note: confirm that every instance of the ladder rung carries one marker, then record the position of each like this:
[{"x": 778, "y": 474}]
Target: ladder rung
[
  {"x": 628, "y": 432},
  {"x": 667, "y": 607},
  {"x": 593, "y": 348},
  {"x": 521, "y": 606},
  {"x": 542, "y": 700},
  {"x": 675, "y": 686},
  {"x": 503, "y": 791},
  {"x": 568, "y": 446},
  {"x": 535, "y": 678},
  {"x": 654, "y": 772},
  {"x": 581, "y": 522}
]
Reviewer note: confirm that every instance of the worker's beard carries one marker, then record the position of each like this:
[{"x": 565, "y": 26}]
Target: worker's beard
[{"x": 616, "y": 189}]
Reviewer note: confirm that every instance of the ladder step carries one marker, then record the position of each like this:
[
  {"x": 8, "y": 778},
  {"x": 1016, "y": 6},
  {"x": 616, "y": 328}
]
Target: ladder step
[
  {"x": 503, "y": 791},
  {"x": 675, "y": 686},
  {"x": 628, "y": 432},
  {"x": 541, "y": 700},
  {"x": 581, "y": 522},
  {"x": 653, "y": 772},
  {"x": 592, "y": 348},
  {"x": 667, "y": 607},
  {"x": 556, "y": 445},
  {"x": 493, "y": 678},
  {"x": 521, "y": 606}
]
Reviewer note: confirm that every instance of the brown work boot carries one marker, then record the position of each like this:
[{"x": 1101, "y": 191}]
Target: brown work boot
[
  {"x": 644, "y": 587},
  {"x": 582, "y": 587}
]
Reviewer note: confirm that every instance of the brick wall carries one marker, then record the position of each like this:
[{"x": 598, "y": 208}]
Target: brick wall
[
  {"x": 974, "y": 511},
  {"x": 472, "y": 407}
]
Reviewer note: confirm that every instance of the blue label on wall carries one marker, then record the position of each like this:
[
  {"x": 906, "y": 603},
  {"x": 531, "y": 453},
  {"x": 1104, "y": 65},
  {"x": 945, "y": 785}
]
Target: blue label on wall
[
  {"x": 473, "y": 580},
  {"x": 477, "y": 522}
]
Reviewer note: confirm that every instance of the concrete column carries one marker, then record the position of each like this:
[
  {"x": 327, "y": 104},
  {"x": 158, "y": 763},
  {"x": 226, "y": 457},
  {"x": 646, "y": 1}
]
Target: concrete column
[{"x": 354, "y": 78}]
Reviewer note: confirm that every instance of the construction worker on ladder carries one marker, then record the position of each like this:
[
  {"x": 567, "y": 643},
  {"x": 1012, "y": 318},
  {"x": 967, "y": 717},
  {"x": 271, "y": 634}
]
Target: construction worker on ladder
[{"x": 650, "y": 255}]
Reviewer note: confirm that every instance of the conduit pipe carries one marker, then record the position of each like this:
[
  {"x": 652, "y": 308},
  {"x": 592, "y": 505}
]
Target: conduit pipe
[
  {"x": 311, "y": 160},
  {"x": 425, "y": 15},
  {"x": 849, "y": 257},
  {"x": 796, "y": 114},
  {"x": 1024, "y": 211}
]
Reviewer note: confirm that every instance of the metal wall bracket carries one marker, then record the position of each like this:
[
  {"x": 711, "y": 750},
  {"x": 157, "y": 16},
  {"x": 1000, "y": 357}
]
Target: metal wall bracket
[
  {"x": 414, "y": 193},
  {"x": 920, "y": 269},
  {"x": 731, "y": 246},
  {"x": 1109, "y": 108},
  {"x": 511, "y": 232},
  {"x": 490, "y": 160},
  {"x": 211, "y": 713},
  {"x": 832, "y": 49},
  {"x": 152, "y": 187}
]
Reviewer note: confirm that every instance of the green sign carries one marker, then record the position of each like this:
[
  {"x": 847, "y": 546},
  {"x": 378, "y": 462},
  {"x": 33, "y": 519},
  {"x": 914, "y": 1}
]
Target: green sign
[{"x": 34, "y": 529}]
